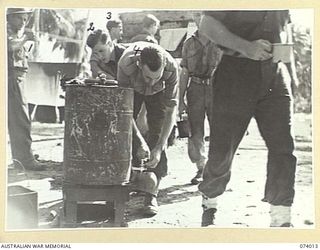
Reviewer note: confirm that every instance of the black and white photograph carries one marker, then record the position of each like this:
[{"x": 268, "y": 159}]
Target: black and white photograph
[{"x": 159, "y": 118}]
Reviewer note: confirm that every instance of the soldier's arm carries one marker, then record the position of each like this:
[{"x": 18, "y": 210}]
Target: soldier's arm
[
  {"x": 122, "y": 78},
  {"x": 183, "y": 83},
  {"x": 217, "y": 32},
  {"x": 184, "y": 78},
  {"x": 95, "y": 69},
  {"x": 143, "y": 151},
  {"x": 169, "y": 120},
  {"x": 98, "y": 72},
  {"x": 292, "y": 65},
  {"x": 124, "y": 81},
  {"x": 171, "y": 103}
]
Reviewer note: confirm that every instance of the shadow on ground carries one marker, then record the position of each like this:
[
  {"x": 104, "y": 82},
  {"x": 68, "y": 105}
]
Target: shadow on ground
[{"x": 170, "y": 195}]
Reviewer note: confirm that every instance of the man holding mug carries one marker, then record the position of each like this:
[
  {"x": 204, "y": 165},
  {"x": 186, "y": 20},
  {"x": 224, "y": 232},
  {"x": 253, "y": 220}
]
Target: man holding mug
[{"x": 248, "y": 83}]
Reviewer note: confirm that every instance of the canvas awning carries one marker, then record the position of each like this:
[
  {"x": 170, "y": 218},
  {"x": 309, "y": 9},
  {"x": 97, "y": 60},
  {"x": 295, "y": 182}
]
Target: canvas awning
[{"x": 171, "y": 38}]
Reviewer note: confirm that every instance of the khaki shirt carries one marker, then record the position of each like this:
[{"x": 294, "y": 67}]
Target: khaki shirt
[
  {"x": 200, "y": 59},
  {"x": 130, "y": 75}
]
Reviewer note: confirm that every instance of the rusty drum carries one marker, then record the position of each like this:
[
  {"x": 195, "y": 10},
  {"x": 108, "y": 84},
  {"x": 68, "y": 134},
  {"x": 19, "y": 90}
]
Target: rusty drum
[{"x": 98, "y": 134}]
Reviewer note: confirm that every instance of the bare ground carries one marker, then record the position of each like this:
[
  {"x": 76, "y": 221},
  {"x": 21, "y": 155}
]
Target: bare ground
[{"x": 179, "y": 201}]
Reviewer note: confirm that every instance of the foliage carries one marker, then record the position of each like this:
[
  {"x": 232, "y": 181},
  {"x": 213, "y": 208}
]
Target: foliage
[{"x": 302, "y": 50}]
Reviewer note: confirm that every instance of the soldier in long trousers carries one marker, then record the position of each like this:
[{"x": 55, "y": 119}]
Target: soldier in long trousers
[
  {"x": 19, "y": 123},
  {"x": 153, "y": 74},
  {"x": 200, "y": 58},
  {"x": 249, "y": 83}
]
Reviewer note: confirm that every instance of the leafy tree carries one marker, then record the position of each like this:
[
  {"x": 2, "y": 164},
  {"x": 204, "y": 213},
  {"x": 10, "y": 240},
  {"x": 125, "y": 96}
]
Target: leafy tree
[{"x": 303, "y": 50}]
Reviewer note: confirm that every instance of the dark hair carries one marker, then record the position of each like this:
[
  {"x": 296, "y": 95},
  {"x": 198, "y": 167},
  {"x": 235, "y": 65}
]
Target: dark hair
[
  {"x": 149, "y": 20},
  {"x": 113, "y": 24},
  {"x": 97, "y": 36},
  {"x": 152, "y": 57}
]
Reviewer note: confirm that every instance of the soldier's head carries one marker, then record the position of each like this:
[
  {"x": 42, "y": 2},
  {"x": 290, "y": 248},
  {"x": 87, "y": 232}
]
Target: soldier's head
[
  {"x": 115, "y": 29},
  {"x": 18, "y": 18},
  {"x": 101, "y": 45},
  {"x": 196, "y": 16},
  {"x": 151, "y": 24},
  {"x": 151, "y": 63}
]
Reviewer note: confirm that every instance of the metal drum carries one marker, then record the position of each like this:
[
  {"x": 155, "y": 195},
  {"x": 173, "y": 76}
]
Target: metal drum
[{"x": 98, "y": 135}]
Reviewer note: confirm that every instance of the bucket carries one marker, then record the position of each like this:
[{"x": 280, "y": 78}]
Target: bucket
[
  {"x": 22, "y": 208},
  {"x": 98, "y": 134},
  {"x": 184, "y": 129}
]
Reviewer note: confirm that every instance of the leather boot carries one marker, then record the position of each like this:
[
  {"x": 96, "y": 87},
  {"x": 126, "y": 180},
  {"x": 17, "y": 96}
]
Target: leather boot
[{"x": 150, "y": 205}]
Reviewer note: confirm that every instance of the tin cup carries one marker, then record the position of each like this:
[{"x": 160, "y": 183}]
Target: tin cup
[{"x": 282, "y": 52}]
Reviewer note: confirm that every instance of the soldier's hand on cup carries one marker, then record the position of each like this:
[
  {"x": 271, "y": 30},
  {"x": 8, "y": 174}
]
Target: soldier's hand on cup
[
  {"x": 259, "y": 50},
  {"x": 154, "y": 158},
  {"x": 143, "y": 152}
]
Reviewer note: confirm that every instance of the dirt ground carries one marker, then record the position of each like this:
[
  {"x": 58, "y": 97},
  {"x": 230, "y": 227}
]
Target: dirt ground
[{"x": 179, "y": 201}]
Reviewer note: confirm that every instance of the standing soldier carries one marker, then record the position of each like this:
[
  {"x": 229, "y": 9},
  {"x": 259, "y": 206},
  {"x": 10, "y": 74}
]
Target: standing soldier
[
  {"x": 200, "y": 57},
  {"x": 250, "y": 83},
  {"x": 153, "y": 74},
  {"x": 19, "y": 123}
]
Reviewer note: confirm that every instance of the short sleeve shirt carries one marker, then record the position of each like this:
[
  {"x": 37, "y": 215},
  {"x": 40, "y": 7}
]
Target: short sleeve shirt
[
  {"x": 254, "y": 25},
  {"x": 130, "y": 75},
  {"x": 199, "y": 59}
]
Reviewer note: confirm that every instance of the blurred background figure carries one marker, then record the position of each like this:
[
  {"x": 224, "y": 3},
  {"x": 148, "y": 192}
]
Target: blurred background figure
[
  {"x": 19, "y": 123},
  {"x": 150, "y": 26},
  {"x": 200, "y": 58},
  {"x": 115, "y": 30},
  {"x": 105, "y": 55}
]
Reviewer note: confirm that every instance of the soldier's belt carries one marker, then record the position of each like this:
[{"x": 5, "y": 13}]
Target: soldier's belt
[{"x": 199, "y": 80}]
